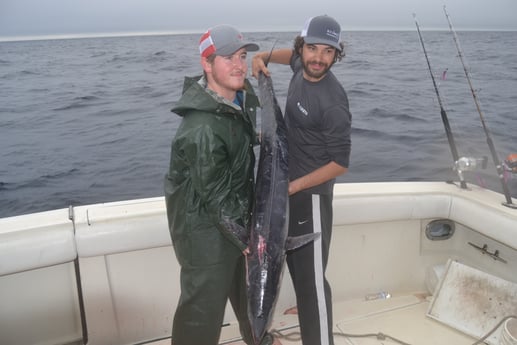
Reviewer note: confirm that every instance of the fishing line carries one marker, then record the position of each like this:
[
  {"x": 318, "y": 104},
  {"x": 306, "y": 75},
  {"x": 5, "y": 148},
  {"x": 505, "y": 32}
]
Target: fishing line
[
  {"x": 445, "y": 119},
  {"x": 498, "y": 164},
  {"x": 296, "y": 336}
]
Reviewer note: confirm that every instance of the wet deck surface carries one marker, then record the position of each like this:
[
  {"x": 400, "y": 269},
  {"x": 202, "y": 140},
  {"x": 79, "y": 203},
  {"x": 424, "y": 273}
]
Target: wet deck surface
[{"x": 358, "y": 321}]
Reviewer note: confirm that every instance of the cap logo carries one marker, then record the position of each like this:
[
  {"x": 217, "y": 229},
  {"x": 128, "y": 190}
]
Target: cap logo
[
  {"x": 206, "y": 45},
  {"x": 333, "y": 34}
]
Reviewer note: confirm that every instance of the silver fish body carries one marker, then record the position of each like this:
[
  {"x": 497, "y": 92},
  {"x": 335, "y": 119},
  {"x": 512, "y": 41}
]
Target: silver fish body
[
  {"x": 268, "y": 237},
  {"x": 268, "y": 233}
]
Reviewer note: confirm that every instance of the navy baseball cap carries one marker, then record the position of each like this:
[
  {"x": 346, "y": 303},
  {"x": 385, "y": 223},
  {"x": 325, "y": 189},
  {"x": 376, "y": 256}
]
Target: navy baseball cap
[{"x": 322, "y": 30}]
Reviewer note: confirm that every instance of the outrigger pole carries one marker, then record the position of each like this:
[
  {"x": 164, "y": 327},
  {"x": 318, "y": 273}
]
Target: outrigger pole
[
  {"x": 445, "y": 119},
  {"x": 498, "y": 164}
]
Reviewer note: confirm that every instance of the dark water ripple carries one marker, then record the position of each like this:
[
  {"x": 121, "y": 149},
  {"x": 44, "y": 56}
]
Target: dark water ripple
[{"x": 88, "y": 120}]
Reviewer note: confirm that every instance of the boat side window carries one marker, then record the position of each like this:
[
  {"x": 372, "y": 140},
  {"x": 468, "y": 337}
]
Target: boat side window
[{"x": 439, "y": 229}]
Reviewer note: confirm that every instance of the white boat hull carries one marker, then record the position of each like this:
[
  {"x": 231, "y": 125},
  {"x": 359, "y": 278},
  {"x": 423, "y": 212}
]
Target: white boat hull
[{"x": 129, "y": 276}]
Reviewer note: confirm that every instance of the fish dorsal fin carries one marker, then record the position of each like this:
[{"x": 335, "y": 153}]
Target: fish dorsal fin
[{"x": 298, "y": 241}]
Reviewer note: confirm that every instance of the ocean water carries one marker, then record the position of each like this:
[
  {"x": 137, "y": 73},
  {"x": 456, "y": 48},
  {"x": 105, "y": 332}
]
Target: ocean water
[{"x": 88, "y": 120}]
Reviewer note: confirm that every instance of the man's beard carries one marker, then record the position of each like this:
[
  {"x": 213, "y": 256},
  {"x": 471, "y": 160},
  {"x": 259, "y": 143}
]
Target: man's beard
[{"x": 315, "y": 74}]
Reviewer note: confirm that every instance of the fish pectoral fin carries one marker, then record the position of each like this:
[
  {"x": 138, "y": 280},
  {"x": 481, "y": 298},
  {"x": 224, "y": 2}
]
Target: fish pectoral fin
[
  {"x": 237, "y": 231},
  {"x": 298, "y": 241}
]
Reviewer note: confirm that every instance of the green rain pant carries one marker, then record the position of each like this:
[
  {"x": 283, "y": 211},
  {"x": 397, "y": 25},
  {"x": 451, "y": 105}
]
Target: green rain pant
[{"x": 205, "y": 291}]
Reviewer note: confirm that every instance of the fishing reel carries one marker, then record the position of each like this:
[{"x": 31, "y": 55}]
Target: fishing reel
[
  {"x": 510, "y": 163},
  {"x": 469, "y": 164}
]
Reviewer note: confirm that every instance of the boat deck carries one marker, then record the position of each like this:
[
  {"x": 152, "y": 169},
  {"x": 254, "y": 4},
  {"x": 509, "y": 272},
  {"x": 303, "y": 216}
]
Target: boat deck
[{"x": 358, "y": 321}]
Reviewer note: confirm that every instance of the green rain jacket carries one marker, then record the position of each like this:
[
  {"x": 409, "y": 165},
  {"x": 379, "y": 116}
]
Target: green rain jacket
[{"x": 211, "y": 173}]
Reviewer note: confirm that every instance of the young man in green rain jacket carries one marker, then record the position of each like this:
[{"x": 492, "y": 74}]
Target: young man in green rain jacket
[{"x": 210, "y": 181}]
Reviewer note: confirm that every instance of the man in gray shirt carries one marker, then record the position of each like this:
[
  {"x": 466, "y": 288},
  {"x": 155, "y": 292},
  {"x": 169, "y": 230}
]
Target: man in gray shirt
[{"x": 318, "y": 126}]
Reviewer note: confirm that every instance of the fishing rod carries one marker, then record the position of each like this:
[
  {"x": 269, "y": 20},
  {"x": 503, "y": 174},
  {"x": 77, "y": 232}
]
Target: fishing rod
[
  {"x": 270, "y": 53},
  {"x": 498, "y": 164},
  {"x": 445, "y": 119}
]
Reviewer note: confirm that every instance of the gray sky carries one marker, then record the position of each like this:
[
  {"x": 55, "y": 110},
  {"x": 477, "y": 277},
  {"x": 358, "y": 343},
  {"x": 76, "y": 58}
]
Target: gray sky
[{"x": 76, "y": 17}]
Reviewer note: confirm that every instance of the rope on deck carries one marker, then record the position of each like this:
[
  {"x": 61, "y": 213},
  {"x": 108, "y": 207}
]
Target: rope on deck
[{"x": 296, "y": 336}]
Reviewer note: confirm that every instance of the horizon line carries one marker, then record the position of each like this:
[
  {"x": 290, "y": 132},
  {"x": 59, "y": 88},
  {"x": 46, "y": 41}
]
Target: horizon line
[{"x": 192, "y": 32}]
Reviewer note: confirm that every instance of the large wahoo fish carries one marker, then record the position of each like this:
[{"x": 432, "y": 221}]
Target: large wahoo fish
[{"x": 268, "y": 241}]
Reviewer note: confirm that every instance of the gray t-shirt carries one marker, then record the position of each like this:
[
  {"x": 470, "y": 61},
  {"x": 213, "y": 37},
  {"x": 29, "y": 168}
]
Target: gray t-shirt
[{"x": 318, "y": 125}]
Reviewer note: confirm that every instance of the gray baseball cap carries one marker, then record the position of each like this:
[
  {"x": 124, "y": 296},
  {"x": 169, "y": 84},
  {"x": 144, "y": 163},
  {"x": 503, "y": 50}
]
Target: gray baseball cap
[
  {"x": 223, "y": 40},
  {"x": 322, "y": 30}
]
